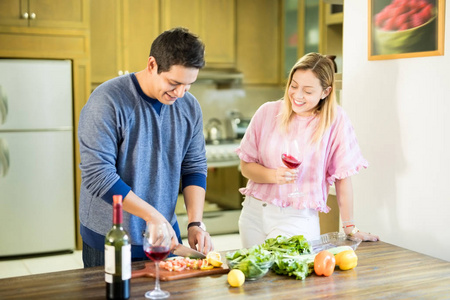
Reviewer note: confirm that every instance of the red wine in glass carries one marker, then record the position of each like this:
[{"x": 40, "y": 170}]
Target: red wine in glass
[
  {"x": 156, "y": 245},
  {"x": 290, "y": 161},
  {"x": 291, "y": 157},
  {"x": 157, "y": 253}
]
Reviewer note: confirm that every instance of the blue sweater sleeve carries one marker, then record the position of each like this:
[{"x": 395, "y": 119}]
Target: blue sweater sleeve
[
  {"x": 119, "y": 188},
  {"x": 198, "y": 179}
]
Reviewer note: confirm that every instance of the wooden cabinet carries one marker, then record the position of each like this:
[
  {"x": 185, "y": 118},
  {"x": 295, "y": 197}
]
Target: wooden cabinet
[
  {"x": 44, "y": 13},
  {"x": 258, "y": 41},
  {"x": 213, "y": 21},
  {"x": 121, "y": 35},
  {"x": 301, "y": 30},
  {"x": 311, "y": 26},
  {"x": 332, "y": 31},
  {"x": 222, "y": 187}
]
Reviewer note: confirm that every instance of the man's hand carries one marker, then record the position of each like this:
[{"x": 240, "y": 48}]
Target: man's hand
[{"x": 199, "y": 240}]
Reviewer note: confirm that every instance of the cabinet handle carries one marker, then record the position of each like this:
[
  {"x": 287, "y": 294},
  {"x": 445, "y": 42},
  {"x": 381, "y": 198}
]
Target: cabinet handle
[
  {"x": 4, "y": 158},
  {"x": 3, "y": 106},
  {"x": 33, "y": 16},
  {"x": 25, "y": 15},
  {"x": 120, "y": 72},
  {"x": 126, "y": 72}
]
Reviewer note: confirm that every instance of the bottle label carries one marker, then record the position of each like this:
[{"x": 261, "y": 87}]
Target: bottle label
[
  {"x": 110, "y": 262},
  {"x": 126, "y": 262},
  {"x": 110, "y": 259}
]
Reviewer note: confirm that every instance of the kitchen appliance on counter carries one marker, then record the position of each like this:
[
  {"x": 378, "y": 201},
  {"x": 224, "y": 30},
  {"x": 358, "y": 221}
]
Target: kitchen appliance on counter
[
  {"x": 236, "y": 124},
  {"x": 214, "y": 131},
  {"x": 36, "y": 157}
]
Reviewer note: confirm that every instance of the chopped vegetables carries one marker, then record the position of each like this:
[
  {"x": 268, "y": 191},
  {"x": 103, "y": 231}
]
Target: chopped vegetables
[
  {"x": 214, "y": 259},
  {"x": 185, "y": 263}
]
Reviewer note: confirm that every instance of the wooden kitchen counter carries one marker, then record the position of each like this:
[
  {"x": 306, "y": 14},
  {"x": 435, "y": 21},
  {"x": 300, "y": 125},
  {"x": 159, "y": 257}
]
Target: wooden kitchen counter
[{"x": 383, "y": 271}]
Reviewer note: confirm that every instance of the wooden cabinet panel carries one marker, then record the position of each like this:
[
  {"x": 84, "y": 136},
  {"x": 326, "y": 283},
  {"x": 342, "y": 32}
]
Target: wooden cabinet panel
[
  {"x": 184, "y": 13},
  {"x": 219, "y": 32},
  {"x": 121, "y": 35},
  {"x": 106, "y": 54},
  {"x": 59, "y": 14},
  {"x": 141, "y": 27},
  {"x": 222, "y": 187},
  {"x": 11, "y": 12},
  {"x": 45, "y": 13},
  {"x": 258, "y": 41},
  {"x": 213, "y": 21}
]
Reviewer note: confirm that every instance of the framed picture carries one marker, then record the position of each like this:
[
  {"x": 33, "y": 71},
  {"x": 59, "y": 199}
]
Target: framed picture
[{"x": 405, "y": 28}]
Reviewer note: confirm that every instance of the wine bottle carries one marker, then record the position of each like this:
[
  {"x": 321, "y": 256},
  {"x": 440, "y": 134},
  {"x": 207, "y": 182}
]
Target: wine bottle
[{"x": 117, "y": 256}]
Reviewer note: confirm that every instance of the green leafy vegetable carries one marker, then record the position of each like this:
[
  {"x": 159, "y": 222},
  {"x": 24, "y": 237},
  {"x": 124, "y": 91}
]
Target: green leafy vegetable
[
  {"x": 295, "y": 245},
  {"x": 253, "y": 262},
  {"x": 299, "y": 266}
]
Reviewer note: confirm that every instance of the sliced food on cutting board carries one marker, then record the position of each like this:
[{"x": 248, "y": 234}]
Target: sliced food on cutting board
[{"x": 184, "y": 267}]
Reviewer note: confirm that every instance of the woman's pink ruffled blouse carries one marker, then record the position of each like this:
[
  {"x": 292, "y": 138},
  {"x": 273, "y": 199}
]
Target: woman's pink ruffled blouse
[{"x": 338, "y": 156}]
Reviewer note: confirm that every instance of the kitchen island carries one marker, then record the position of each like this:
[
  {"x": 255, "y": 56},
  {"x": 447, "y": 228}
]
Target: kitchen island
[{"x": 383, "y": 271}]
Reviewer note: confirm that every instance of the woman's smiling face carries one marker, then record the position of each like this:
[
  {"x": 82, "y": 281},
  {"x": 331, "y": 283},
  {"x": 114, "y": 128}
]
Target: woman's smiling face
[{"x": 305, "y": 92}]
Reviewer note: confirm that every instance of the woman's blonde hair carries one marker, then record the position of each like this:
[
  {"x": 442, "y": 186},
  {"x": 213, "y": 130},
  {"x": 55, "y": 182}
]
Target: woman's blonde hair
[{"x": 324, "y": 69}]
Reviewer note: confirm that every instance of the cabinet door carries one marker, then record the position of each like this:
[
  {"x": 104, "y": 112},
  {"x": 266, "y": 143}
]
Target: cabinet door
[
  {"x": 11, "y": 12},
  {"x": 258, "y": 42},
  {"x": 213, "y": 21},
  {"x": 219, "y": 31},
  {"x": 58, "y": 14},
  {"x": 106, "y": 35},
  {"x": 184, "y": 13},
  {"x": 222, "y": 187},
  {"x": 45, "y": 13},
  {"x": 141, "y": 27}
]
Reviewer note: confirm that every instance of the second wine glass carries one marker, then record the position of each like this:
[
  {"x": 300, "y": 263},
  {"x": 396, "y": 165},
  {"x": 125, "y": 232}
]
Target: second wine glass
[
  {"x": 291, "y": 157},
  {"x": 156, "y": 245}
]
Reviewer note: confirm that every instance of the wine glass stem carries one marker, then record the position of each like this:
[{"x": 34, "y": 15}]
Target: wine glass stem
[
  {"x": 157, "y": 276},
  {"x": 296, "y": 184}
]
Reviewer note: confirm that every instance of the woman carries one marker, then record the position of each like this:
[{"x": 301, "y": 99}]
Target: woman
[{"x": 308, "y": 113}]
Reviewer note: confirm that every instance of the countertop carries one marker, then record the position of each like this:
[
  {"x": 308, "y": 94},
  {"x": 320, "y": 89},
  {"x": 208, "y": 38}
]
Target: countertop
[{"x": 383, "y": 271}]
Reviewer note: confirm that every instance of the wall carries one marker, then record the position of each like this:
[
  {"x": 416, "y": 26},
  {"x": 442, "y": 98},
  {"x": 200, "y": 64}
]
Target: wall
[
  {"x": 246, "y": 99},
  {"x": 400, "y": 110}
]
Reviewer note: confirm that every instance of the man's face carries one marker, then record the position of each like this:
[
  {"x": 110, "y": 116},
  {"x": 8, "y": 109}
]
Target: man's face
[{"x": 167, "y": 87}]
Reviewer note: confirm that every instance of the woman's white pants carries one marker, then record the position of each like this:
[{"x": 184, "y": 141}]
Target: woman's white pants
[{"x": 260, "y": 220}]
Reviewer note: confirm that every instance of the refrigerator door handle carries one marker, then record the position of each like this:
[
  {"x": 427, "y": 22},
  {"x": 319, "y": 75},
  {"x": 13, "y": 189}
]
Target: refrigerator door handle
[
  {"x": 3, "y": 106},
  {"x": 4, "y": 158}
]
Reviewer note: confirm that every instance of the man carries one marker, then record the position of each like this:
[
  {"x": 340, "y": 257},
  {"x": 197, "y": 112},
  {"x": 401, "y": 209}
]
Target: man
[{"x": 139, "y": 134}]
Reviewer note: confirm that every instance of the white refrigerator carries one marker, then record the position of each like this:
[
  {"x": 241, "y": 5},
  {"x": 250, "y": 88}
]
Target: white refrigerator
[{"x": 37, "y": 206}]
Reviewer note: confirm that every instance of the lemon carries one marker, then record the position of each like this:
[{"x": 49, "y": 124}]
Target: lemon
[
  {"x": 236, "y": 278},
  {"x": 214, "y": 259}
]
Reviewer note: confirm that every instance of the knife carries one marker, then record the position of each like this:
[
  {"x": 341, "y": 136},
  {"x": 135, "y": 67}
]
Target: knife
[{"x": 182, "y": 250}]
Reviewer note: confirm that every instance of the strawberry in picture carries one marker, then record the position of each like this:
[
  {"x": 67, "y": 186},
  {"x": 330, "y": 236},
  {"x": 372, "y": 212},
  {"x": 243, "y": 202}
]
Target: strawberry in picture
[
  {"x": 404, "y": 14},
  {"x": 400, "y": 20}
]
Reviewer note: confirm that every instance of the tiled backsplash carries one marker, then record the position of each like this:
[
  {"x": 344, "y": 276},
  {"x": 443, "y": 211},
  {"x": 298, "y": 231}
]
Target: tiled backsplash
[{"x": 216, "y": 103}]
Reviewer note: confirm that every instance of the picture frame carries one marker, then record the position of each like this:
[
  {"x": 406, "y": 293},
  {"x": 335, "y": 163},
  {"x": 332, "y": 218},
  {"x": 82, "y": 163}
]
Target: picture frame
[{"x": 405, "y": 28}]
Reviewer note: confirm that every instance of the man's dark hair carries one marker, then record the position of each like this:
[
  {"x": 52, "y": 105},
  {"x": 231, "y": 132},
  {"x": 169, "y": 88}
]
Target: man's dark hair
[{"x": 178, "y": 47}]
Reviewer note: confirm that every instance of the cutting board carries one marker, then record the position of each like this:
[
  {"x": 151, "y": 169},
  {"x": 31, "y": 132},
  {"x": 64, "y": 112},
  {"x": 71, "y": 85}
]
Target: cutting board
[{"x": 165, "y": 275}]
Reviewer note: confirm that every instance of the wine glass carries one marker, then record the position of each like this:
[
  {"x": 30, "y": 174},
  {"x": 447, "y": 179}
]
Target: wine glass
[
  {"x": 291, "y": 157},
  {"x": 156, "y": 245}
]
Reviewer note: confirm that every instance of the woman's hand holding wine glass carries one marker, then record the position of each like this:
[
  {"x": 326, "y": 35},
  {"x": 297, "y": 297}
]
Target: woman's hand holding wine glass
[
  {"x": 291, "y": 157},
  {"x": 157, "y": 244}
]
